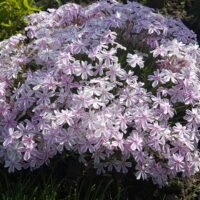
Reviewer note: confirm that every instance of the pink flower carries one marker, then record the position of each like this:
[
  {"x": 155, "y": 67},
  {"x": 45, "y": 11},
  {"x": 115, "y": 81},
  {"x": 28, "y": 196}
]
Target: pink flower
[
  {"x": 65, "y": 116},
  {"x": 142, "y": 116},
  {"x": 176, "y": 163},
  {"x": 142, "y": 171},
  {"x": 157, "y": 78},
  {"x": 122, "y": 165},
  {"x": 135, "y": 141},
  {"x": 12, "y": 165},
  {"x": 107, "y": 56},
  {"x": 10, "y": 136}
]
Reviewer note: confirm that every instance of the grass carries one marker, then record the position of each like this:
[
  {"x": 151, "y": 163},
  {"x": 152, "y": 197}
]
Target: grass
[
  {"x": 63, "y": 180},
  {"x": 66, "y": 179}
]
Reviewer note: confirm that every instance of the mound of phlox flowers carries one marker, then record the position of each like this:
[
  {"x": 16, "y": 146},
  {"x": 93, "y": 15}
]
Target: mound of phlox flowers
[{"x": 115, "y": 83}]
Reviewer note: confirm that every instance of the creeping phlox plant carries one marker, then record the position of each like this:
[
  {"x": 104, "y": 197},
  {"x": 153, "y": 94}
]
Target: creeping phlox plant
[{"x": 116, "y": 83}]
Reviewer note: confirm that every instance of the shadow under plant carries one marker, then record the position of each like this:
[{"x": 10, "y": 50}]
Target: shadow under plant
[{"x": 66, "y": 179}]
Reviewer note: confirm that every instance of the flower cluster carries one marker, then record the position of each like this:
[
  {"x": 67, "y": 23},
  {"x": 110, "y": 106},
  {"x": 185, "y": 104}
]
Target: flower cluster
[{"x": 116, "y": 83}]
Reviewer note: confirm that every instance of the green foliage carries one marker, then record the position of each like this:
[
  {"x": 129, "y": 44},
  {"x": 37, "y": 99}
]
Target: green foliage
[
  {"x": 49, "y": 3},
  {"x": 56, "y": 3},
  {"x": 12, "y": 13},
  {"x": 194, "y": 11}
]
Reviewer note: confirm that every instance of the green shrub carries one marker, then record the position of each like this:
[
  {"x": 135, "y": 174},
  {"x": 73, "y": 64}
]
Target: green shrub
[
  {"x": 56, "y": 3},
  {"x": 12, "y": 14},
  {"x": 194, "y": 11}
]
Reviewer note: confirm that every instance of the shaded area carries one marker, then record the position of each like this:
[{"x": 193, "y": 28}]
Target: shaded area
[{"x": 67, "y": 179}]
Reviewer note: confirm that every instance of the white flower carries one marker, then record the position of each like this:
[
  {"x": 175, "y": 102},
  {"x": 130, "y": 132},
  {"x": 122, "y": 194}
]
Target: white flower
[
  {"x": 83, "y": 70},
  {"x": 134, "y": 60}
]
